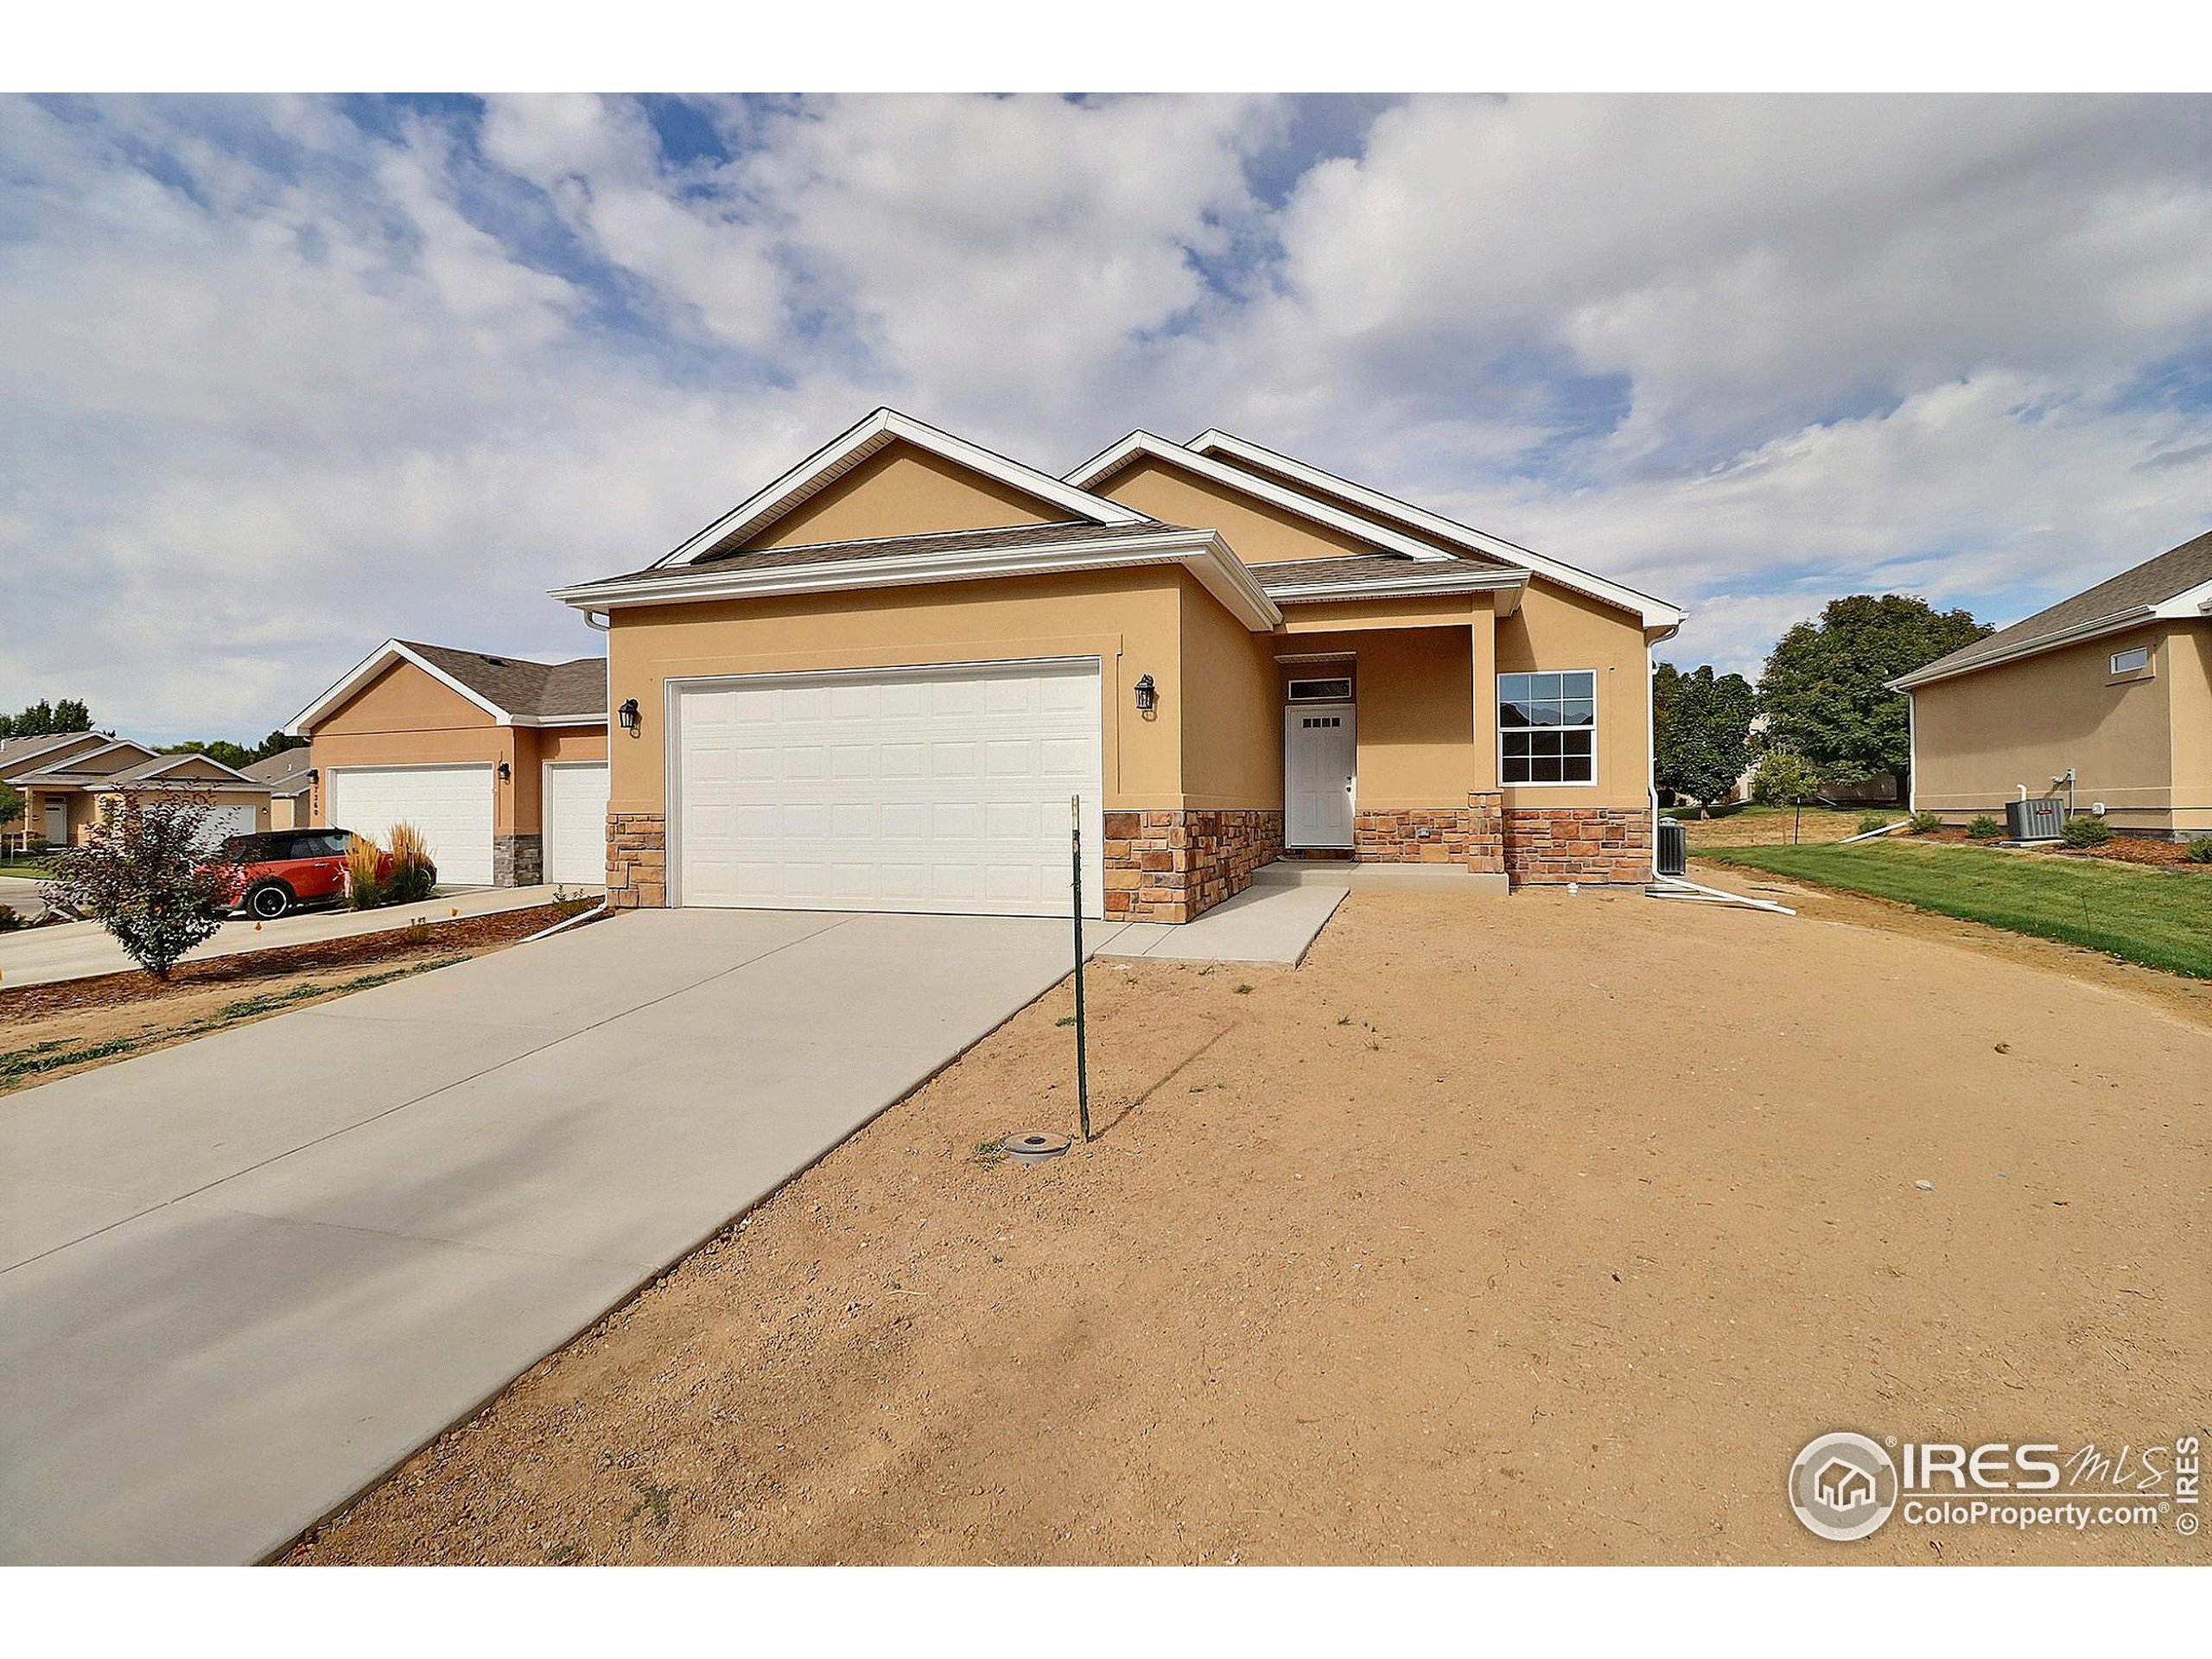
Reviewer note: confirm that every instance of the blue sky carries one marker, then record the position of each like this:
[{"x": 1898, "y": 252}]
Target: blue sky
[{"x": 283, "y": 377}]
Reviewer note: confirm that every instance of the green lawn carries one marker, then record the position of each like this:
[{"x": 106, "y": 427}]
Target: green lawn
[
  {"x": 30, "y": 870},
  {"x": 2159, "y": 920}
]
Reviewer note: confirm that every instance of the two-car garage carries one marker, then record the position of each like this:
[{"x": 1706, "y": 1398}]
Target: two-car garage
[
  {"x": 941, "y": 789},
  {"x": 455, "y": 807}
]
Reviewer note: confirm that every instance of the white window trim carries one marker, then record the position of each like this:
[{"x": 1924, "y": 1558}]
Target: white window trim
[
  {"x": 1497, "y": 714},
  {"x": 2131, "y": 668}
]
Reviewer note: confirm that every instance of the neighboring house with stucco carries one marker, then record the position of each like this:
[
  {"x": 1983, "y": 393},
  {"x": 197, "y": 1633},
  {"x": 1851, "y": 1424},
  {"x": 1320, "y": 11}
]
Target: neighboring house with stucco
[
  {"x": 289, "y": 774},
  {"x": 877, "y": 681},
  {"x": 2114, "y": 684},
  {"x": 68, "y": 779},
  {"x": 501, "y": 761}
]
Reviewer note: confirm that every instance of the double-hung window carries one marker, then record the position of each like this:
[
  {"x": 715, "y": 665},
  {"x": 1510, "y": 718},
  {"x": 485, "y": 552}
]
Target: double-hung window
[{"x": 1547, "y": 727}]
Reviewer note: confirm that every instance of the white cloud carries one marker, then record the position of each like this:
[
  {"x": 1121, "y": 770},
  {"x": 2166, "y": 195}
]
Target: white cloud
[{"x": 276, "y": 383}]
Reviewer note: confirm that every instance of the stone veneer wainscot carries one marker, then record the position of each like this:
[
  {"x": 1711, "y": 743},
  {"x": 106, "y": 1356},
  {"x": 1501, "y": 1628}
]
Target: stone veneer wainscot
[
  {"x": 1173, "y": 866},
  {"x": 1552, "y": 845},
  {"x": 637, "y": 861}
]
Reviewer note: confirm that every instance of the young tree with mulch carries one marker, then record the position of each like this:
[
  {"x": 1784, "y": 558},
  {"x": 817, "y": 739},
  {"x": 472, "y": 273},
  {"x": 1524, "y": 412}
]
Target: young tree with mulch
[{"x": 149, "y": 874}]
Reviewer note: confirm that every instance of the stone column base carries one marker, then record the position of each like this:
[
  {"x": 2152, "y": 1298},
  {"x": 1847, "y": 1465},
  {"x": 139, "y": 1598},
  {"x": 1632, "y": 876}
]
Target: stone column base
[
  {"x": 637, "y": 861},
  {"x": 518, "y": 861},
  {"x": 1175, "y": 866}
]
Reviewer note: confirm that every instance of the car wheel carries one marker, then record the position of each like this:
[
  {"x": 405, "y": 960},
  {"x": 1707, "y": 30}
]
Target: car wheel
[{"x": 266, "y": 900}]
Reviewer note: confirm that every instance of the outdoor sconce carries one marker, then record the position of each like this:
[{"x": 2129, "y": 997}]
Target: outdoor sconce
[
  {"x": 315, "y": 774},
  {"x": 1147, "y": 695},
  {"x": 627, "y": 714},
  {"x": 506, "y": 771}
]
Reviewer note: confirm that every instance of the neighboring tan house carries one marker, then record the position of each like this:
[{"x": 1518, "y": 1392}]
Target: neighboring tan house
[
  {"x": 877, "y": 683},
  {"x": 2114, "y": 684},
  {"x": 289, "y": 774},
  {"x": 66, "y": 781},
  {"x": 499, "y": 761}
]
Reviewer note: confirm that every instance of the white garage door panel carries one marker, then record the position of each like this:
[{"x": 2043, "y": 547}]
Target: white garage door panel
[
  {"x": 940, "y": 790},
  {"x": 451, "y": 805},
  {"x": 575, "y": 823},
  {"x": 227, "y": 821}
]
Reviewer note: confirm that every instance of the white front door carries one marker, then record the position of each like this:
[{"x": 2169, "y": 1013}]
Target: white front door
[
  {"x": 912, "y": 789},
  {"x": 57, "y": 821},
  {"x": 1319, "y": 773},
  {"x": 575, "y": 822}
]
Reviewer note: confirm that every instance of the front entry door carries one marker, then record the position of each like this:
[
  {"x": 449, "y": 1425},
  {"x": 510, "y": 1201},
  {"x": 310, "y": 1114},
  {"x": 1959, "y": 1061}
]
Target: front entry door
[
  {"x": 57, "y": 822},
  {"x": 1318, "y": 773}
]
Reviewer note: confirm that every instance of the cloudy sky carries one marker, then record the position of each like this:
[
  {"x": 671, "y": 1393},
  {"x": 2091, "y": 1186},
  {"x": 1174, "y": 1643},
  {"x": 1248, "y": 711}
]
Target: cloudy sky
[{"x": 279, "y": 378}]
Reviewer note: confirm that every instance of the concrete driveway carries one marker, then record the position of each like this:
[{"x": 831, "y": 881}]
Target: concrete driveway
[
  {"x": 242, "y": 1278},
  {"x": 81, "y": 950}
]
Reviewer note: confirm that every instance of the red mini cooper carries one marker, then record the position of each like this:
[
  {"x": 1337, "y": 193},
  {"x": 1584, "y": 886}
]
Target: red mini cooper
[{"x": 280, "y": 869}]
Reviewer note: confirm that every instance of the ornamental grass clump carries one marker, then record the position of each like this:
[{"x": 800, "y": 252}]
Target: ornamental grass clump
[
  {"x": 365, "y": 882},
  {"x": 413, "y": 875}
]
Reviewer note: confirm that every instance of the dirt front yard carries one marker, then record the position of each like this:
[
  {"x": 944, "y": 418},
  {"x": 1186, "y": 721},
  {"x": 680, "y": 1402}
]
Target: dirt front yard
[{"x": 1538, "y": 1229}]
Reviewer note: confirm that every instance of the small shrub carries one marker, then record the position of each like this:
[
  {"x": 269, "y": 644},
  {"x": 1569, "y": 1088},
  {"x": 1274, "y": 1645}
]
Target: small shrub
[
  {"x": 2088, "y": 830},
  {"x": 1926, "y": 824},
  {"x": 1984, "y": 828},
  {"x": 1783, "y": 776},
  {"x": 9, "y": 921},
  {"x": 146, "y": 876},
  {"x": 1872, "y": 822},
  {"x": 2198, "y": 850},
  {"x": 364, "y": 879}
]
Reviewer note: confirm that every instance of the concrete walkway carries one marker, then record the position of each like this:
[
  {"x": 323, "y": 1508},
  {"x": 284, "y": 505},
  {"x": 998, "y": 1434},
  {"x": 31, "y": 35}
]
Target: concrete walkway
[
  {"x": 242, "y": 1278},
  {"x": 81, "y": 950},
  {"x": 1270, "y": 923}
]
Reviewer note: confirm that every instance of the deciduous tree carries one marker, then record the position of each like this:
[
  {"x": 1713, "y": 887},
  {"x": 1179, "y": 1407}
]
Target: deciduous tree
[
  {"x": 147, "y": 874},
  {"x": 1702, "y": 726}
]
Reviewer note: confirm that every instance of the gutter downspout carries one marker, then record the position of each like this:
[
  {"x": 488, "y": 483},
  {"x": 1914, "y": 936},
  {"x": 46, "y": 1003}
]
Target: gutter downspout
[
  {"x": 1674, "y": 887},
  {"x": 577, "y": 920}
]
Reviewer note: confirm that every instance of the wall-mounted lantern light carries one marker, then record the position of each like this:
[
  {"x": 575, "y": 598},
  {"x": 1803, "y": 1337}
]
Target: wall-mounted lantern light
[
  {"x": 627, "y": 714},
  {"x": 315, "y": 774},
  {"x": 506, "y": 771},
  {"x": 1147, "y": 695}
]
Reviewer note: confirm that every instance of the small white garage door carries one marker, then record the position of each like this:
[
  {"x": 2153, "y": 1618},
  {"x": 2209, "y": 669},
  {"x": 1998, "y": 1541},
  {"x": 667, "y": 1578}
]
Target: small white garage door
[
  {"x": 451, "y": 805},
  {"x": 227, "y": 821},
  {"x": 575, "y": 822},
  {"x": 941, "y": 790}
]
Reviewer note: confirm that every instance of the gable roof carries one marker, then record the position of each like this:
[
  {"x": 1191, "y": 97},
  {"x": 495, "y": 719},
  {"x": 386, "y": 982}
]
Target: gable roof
[
  {"x": 2176, "y": 584},
  {"x": 17, "y": 754},
  {"x": 878, "y": 430},
  {"x": 284, "y": 771},
  {"x": 1146, "y": 445},
  {"x": 1224, "y": 449},
  {"x": 79, "y": 768},
  {"x": 513, "y": 690},
  {"x": 151, "y": 771}
]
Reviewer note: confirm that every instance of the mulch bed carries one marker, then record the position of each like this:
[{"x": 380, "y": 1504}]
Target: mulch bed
[
  {"x": 2125, "y": 849},
  {"x": 29, "y": 1002}
]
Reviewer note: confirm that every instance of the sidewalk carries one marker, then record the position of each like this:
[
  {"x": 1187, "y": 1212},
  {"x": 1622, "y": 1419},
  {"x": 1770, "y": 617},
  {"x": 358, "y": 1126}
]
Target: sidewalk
[{"x": 80, "y": 950}]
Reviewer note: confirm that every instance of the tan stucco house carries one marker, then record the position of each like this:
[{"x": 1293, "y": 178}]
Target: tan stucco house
[
  {"x": 501, "y": 761},
  {"x": 68, "y": 781},
  {"x": 289, "y": 774},
  {"x": 2114, "y": 685},
  {"x": 877, "y": 682}
]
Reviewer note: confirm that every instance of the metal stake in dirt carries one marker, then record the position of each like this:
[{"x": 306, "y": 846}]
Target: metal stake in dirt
[
  {"x": 1796, "y": 816},
  {"x": 1082, "y": 1069}
]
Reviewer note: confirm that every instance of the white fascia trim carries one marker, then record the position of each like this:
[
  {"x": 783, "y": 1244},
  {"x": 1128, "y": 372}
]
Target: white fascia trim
[
  {"x": 1319, "y": 512},
  {"x": 841, "y": 453},
  {"x": 559, "y": 721},
  {"x": 1203, "y": 552},
  {"x": 1489, "y": 580},
  {"x": 31, "y": 780},
  {"x": 2096, "y": 628},
  {"x": 367, "y": 669},
  {"x": 1655, "y": 612}
]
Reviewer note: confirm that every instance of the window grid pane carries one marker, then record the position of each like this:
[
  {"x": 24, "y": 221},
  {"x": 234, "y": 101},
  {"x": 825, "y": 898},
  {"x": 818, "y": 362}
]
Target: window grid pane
[{"x": 1548, "y": 727}]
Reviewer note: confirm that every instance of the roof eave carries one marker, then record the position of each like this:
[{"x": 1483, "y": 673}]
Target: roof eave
[
  {"x": 1203, "y": 552},
  {"x": 2081, "y": 632}
]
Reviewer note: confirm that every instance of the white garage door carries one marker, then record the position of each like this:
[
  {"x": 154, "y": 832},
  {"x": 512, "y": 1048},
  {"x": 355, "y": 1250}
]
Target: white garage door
[
  {"x": 940, "y": 790},
  {"x": 227, "y": 821},
  {"x": 451, "y": 805},
  {"x": 575, "y": 822}
]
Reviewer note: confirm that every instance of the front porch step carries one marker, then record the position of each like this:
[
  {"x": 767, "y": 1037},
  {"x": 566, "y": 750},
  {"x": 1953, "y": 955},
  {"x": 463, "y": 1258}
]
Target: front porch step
[{"x": 1303, "y": 872}]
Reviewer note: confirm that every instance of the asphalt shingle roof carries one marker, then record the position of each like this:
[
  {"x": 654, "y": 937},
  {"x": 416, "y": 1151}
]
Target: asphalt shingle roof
[
  {"x": 1285, "y": 578},
  {"x": 545, "y": 690},
  {"x": 958, "y": 541},
  {"x": 2152, "y": 582},
  {"x": 17, "y": 754}
]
